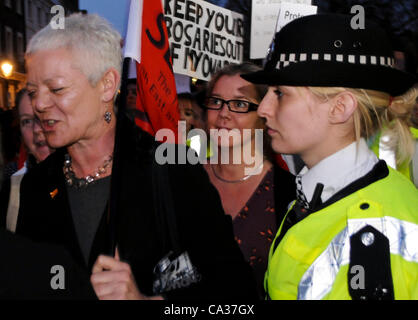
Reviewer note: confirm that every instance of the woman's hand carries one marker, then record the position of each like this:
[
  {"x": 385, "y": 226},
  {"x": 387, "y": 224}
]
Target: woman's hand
[{"x": 112, "y": 279}]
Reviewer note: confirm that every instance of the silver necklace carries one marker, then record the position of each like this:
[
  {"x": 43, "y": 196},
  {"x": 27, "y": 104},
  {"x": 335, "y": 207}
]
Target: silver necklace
[
  {"x": 246, "y": 177},
  {"x": 72, "y": 180}
]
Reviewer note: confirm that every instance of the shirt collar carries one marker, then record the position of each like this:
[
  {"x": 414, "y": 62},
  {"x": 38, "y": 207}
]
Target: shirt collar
[{"x": 338, "y": 170}]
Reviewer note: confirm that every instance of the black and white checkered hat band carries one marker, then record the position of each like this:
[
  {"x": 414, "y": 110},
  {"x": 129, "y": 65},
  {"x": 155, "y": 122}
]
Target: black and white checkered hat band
[{"x": 287, "y": 58}]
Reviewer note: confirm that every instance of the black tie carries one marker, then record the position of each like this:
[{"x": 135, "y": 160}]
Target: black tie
[{"x": 300, "y": 196}]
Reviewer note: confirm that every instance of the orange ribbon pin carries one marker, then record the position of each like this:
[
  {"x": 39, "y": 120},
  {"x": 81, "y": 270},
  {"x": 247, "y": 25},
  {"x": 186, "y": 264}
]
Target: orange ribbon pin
[{"x": 52, "y": 194}]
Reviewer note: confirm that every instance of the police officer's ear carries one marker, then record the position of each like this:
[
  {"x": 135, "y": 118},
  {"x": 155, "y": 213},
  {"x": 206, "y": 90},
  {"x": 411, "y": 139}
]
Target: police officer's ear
[{"x": 342, "y": 107}]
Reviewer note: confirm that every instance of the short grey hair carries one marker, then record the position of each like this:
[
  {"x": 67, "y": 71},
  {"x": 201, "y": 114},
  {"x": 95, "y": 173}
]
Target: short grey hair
[{"x": 90, "y": 36}]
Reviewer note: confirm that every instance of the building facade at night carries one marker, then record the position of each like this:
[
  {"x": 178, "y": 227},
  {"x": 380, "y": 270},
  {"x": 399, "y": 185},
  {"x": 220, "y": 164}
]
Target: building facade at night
[{"x": 19, "y": 21}]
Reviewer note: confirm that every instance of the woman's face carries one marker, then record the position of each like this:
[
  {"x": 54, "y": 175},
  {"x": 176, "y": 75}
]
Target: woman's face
[
  {"x": 69, "y": 108},
  {"x": 233, "y": 88},
  {"x": 296, "y": 120},
  {"x": 131, "y": 96},
  {"x": 186, "y": 112},
  {"x": 32, "y": 135}
]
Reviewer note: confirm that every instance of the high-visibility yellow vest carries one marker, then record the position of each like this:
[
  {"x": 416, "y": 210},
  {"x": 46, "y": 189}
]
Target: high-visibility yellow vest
[
  {"x": 312, "y": 259},
  {"x": 403, "y": 168}
]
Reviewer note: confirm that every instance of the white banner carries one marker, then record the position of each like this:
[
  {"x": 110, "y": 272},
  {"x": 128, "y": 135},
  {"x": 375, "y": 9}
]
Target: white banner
[
  {"x": 133, "y": 33},
  {"x": 291, "y": 11},
  {"x": 203, "y": 37},
  {"x": 263, "y": 24}
]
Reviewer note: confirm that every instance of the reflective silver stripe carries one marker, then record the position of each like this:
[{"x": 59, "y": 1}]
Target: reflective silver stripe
[
  {"x": 317, "y": 281},
  {"x": 402, "y": 235},
  {"x": 385, "y": 152}
]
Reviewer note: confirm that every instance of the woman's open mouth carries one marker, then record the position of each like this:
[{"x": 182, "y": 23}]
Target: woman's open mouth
[{"x": 48, "y": 125}]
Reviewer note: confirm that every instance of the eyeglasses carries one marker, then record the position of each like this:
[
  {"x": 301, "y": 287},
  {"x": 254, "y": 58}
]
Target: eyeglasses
[{"x": 239, "y": 106}]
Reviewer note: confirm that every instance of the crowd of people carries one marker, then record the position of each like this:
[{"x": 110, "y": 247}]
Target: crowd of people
[{"x": 221, "y": 230}]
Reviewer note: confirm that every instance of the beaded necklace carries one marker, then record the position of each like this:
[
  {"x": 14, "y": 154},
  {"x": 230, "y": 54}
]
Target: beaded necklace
[{"x": 72, "y": 180}]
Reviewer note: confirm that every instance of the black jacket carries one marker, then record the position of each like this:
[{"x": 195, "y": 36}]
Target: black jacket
[
  {"x": 27, "y": 270},
  {"x": 284, "y": 192},
  {"x": 205, "y": 232}
]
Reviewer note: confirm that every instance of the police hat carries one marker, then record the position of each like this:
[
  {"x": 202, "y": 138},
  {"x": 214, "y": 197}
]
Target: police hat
[{"x": 324, "y": 50}]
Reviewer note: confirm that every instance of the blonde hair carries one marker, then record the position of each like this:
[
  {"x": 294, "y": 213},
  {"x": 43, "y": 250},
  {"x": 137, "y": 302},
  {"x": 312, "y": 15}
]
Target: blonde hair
[{"x": 376, "y": 111}]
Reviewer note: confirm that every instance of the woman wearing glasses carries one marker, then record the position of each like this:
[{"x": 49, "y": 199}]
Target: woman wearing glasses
[
  {"x": 35, "y": 145},
  {"x": 254, "y": 191}
]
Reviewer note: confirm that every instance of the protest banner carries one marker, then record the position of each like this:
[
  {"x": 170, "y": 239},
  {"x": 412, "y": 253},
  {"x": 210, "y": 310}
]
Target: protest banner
[
  {"x": 203, "y": 37},
  {"x": 291, "y": 11},
  {"x": 147, "y": 44},
  {"x": 264, "y": 17}
]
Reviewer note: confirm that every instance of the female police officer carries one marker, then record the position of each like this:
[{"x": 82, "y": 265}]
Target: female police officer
[{"x": 353, "y": 233}]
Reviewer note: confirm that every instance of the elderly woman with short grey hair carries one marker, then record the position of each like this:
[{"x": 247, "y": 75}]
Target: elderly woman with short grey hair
[{"x": 73, "y": 77}]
